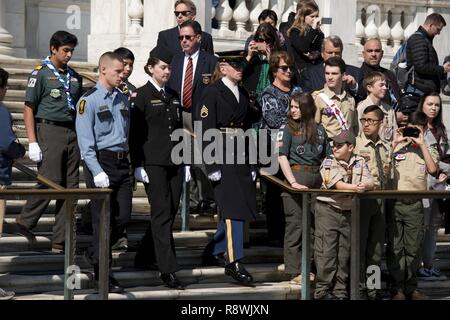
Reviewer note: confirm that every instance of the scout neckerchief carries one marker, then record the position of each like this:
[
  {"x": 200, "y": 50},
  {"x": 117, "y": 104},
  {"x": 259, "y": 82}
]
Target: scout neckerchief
[
  {"x": 334, "y": 109},
  {"x": 65, "y": 83}
]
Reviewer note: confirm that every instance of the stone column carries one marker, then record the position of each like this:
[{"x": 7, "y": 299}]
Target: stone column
[
  {"x": 108, "y": 27},
  {"x": 5, "y": 37}
]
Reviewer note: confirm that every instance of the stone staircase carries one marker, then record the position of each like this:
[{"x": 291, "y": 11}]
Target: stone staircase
[{"x": 35, "y": 273}]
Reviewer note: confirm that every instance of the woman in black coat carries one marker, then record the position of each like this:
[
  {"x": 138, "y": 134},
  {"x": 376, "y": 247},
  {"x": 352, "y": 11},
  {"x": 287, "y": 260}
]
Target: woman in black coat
[
  {"x": 155, "y": 114},
  {"x": 226, "y": 109}
]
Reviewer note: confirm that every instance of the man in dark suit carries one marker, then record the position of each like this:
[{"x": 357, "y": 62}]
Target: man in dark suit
[
  {"x": 372, "y": 55},
  {"x": 313, "y": 78},
  {"x": 184, "y": 10},
  {"x": 191, "y": 73}
]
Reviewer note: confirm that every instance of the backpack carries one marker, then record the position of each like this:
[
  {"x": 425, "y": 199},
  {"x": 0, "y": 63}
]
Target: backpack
[{"x": 399, "y": 65}]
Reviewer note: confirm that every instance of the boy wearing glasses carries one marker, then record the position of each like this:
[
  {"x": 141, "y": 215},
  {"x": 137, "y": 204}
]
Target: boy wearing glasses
[
  {"x": 377, "y": 153},
  {"x": 184, "y": 10},
  {"x": 344, "y": 170},
  {"x": 375, "y": 84}
]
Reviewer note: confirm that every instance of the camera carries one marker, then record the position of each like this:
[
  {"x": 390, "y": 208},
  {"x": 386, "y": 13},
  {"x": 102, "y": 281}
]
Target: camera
[
  {"x": 411, "y": 132},
  {"x": 260, "y": 46}
]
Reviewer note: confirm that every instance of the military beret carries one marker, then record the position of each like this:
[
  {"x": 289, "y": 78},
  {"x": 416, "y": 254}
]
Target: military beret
[{"x": 161, "y": 53}]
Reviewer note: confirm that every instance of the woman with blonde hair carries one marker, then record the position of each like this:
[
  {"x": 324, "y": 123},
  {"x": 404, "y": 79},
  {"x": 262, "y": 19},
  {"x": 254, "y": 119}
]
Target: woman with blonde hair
[{"x": 305, "y": 35}]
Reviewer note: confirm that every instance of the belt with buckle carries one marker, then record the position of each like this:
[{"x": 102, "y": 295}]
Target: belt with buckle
[
  {"x": 333, "y": 207},
  {"x": 313, "y": 169},
  {"x": 119, "y": 155},
  {"x": 65, "y": 124},
  {"x": 230, "y": 130}
]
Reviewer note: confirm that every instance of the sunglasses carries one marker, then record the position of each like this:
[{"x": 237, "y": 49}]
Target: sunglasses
[
  {"x": 188, "y": 38},
  {"x": 268, "y": 40},
  {"x": 183, "y": 13},
  {"x": 286, "y": 68}
]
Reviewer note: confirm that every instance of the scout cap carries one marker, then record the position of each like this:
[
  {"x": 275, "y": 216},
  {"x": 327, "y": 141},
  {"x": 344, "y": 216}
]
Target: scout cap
[
  {"x": 233, "y": 58},
  {"x": 345, "y": 137},
  {"x": 161, "y": 53}
]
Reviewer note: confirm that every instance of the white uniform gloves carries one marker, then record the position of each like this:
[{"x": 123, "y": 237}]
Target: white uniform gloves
[
  {"x": 215, "y": 176},
  {"x": 34, "y": 152},
  {"x": 141, "y": 175},
  {"x": 187, "y": 173},
  {"x": 101, "y": 180},
  {"x": 254, "y": 176}
]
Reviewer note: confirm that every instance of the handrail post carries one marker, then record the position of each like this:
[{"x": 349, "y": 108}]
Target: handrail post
[
  {"x": 185, "y": 207},
  {"x": 69, "y": 252},
  {"x": 355, "y": 259},
  {"x": 103, "y": 279},
  {"x": 306, "y": 246}
]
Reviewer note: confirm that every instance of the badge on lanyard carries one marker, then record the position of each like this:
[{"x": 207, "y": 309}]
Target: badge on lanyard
[{"x": 65, "y": 83}]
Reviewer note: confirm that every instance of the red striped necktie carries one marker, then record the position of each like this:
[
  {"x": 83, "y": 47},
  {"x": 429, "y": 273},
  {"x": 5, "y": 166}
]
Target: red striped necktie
[{"x": 187, "y": 85}]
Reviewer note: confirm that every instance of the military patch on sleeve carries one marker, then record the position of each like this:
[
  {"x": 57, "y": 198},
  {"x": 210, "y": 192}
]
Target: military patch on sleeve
[
  {"x": 327, "y": 163},
  {"x": 204, "y": 112},
  {"x": 81, "y": 107},
  {"x": 31, "y": 83}
]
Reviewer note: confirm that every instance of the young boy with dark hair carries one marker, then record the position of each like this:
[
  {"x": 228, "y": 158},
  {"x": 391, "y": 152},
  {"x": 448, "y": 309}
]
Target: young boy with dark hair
[
  {"x": 9, "y": 150},
  {"x": 342, "y": 171},
  {"x": 412, "y": 161},
  {"x": 128, "y": 61}
]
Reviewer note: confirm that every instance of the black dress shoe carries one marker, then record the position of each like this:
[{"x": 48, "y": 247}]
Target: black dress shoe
[
  {"x": 171, "y": 280},
  {"x": 213, "y": 261},
  {"x": 237, "y": 271},
  {"x": 24, "y": 231},
  {"x": 113, "y": 286}
]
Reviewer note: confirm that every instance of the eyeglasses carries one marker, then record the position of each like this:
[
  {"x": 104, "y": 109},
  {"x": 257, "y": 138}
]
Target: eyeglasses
[
  {"x": 370, "y": 122},
  {"x": 188, "y": 37},
  {"x": 268, "y": 40},
  {"x": 286, "y": 68},
  {"x": 183, "y": 13}
]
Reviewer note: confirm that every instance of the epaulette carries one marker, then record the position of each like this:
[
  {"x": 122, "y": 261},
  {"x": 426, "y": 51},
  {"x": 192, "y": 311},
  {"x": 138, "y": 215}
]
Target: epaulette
[
  {"x": 89, "y": 92},
  {"x": 38, "y": 67}
]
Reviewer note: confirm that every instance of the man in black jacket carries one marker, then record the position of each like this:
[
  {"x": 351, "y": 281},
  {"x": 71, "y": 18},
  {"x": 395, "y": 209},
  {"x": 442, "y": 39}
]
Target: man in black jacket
[
  {"x": 421, "y": 55},
  {"x": 372, "y": 55},
  {"x": 184, "y": 10}
]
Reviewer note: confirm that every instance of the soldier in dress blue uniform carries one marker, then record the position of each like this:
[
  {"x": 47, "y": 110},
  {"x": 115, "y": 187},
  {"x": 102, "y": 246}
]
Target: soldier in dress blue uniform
[
  {"x": 156, "y": 113},
  {"x": 102, "y": 124},
  {"x": 225, "y": 106}
]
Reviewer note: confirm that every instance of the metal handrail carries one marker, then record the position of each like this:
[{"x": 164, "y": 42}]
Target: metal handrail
[
  {"x": 355, "y": 258},
  {"x": 71, "y": 195}
]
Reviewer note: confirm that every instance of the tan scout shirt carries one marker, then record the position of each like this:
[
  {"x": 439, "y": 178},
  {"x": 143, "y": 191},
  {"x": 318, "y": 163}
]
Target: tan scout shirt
[
  {"x": 389, "y": 124},
  {"x": 366, "y": 148},
  {"x": 332, "y": 171},
  {"x": 345, "y": 103},
  {"x": 410, "y": 171}
]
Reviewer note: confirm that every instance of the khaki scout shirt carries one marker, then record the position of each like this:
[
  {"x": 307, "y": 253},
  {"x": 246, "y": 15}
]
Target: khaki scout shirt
[
  {"x": 389, "y": 124},
  {"x": 345, "y": 103},
  {"x": 366, "y": 148},
  {"x": 410, "y": 171},
  {"x": 333, "y": 171}
]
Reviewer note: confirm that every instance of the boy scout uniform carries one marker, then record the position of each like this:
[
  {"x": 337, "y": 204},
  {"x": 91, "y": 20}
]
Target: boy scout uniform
[
  {"x": 372, "y": 235},
  {"x": 389, "y": 124},
  {"x": 324, "y": 115},
  {"x": 55, "y": 133},
  {"x": 102, "y": 124},
  {"x": 304, "y": 159},
  {"x": 405, "y": 222},
  {"x": 332, "y": 223}
]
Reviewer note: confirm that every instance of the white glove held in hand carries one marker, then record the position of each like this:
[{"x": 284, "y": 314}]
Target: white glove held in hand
[
  {"x": 34, "y": 152},
  {"x": 187, "y": 173},
  {"x": 141, "y": 175},
  {"x": 253, "y": 176},
  {"x": 215, "y": 176},
  {"x": 101, "y": 180}
]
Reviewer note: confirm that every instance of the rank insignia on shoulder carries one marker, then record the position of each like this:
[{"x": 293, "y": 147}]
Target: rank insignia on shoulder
[
  {"x": 327, "y": 163},
  {"x": 204, "y": 112},
  {"x": 39, "y": 67},
  {"x": 81, "y": 107}
]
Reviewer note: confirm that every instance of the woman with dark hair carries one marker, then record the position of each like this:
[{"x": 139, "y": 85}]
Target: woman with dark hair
[
  {"x": 302, "y": 147},
  {"x": 267, "y": 16},
  {"x": 305, "y": 36},
  {"x": 154, "y": 117},
  {"x": 274, "y": 102},
  {"x": 430, "y": 105}
]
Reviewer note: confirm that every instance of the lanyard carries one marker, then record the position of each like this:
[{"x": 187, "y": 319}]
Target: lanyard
[{"x": 66, "y": 83}]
